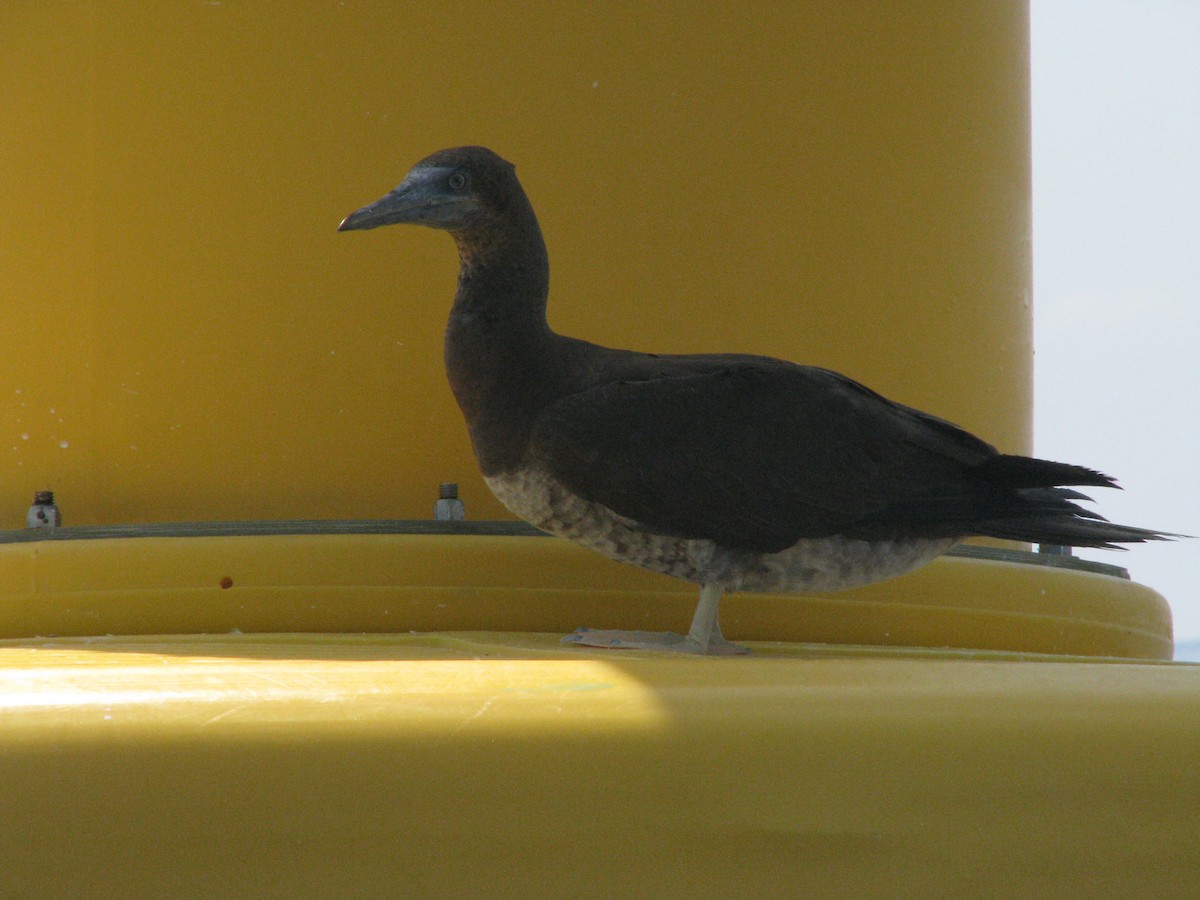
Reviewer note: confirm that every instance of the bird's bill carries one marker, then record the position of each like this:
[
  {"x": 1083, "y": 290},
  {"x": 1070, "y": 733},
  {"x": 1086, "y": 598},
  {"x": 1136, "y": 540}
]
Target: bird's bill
[{"x": 419, "y": 199}]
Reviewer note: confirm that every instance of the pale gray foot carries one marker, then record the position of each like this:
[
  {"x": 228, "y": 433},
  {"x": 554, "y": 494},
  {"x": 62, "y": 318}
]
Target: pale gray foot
[
  {"x": 652, "y": 640},
  {"x": 703, "y": 638}
]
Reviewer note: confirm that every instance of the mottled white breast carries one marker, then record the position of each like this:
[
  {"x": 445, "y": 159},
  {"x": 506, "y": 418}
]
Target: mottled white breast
[{"x": 813, "y": 564}]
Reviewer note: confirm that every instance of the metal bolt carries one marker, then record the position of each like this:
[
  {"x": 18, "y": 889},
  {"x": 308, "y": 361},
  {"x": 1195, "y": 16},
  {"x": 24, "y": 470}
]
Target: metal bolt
[
  {"x": 44, "y": 512},
  {"x": 448, "y": 507}
]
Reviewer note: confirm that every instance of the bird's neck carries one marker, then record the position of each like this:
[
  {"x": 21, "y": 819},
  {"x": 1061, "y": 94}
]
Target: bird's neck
[
  {"x": 504, "y": 274},
  {"x": 498, "y": 347}
]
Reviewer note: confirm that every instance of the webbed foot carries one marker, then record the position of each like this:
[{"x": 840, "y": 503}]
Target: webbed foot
[{"x": 654, "y": 640}]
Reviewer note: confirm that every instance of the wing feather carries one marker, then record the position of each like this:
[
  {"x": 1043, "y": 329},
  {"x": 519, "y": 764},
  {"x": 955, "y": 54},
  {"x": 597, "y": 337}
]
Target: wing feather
[{"x": 753, "y": 453}]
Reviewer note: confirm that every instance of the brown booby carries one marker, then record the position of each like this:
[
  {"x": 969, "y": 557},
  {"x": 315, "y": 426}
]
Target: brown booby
[{"x": 732, "y": 471}]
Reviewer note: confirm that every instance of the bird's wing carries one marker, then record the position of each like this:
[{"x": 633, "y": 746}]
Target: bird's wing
[{"x": 754, "y": 453}]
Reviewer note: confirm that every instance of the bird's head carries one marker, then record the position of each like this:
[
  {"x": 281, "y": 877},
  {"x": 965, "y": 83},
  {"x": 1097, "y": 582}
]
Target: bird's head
[{"x": 452, "y": 190}]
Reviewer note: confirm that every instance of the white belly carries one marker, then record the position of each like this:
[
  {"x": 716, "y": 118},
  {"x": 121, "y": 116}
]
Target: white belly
[{"x": 810, "y": 565}]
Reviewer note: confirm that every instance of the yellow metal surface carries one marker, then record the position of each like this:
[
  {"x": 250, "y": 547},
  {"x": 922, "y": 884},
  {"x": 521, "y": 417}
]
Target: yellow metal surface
[
  {"x": 403, "y": 582},
  {"x": 187, "y": 337},
  {"x": 509, "y": 766}
]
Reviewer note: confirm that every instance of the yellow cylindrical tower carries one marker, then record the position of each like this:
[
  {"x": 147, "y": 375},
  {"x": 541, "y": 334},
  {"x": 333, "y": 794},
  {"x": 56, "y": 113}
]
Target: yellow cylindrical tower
[{"x": 188, "y": 337}]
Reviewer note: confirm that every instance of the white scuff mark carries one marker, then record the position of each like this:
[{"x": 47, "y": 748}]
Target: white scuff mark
[
  {"x": 229, "y": 712},
  {"x": 475, "y": 715}
]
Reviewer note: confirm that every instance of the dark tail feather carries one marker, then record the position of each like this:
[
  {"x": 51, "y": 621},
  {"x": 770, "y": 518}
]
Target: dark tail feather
[
  {"x": 1026, "y": 472},
  {"x": 1071, "y": 526},
  {"x": 1046, "y": 513},
  {"x": 1015, "y": 498}
]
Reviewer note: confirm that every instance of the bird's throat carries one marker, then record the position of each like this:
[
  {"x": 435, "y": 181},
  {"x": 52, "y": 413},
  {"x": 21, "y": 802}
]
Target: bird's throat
[{"x": 497, "y": 342}]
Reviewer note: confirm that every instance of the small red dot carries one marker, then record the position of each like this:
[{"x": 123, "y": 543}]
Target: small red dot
[{"x": 226, "y": 583}]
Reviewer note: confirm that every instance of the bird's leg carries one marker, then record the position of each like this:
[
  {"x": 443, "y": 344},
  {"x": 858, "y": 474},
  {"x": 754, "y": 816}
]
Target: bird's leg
[
  {"x": 704, "y": 637},
  {"x": 706, "y": 625}
]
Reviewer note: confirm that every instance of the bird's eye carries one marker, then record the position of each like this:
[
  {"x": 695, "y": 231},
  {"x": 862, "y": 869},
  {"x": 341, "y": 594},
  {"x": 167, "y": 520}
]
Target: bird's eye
[{"x": 457, "y": 181}]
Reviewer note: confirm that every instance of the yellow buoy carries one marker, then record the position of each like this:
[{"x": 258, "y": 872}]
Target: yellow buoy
[{"x": 240, "y": 709}]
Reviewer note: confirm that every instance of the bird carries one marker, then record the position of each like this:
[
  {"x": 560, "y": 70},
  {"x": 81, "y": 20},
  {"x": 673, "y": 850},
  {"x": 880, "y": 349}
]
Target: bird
[{"x": 733, "y": 471}]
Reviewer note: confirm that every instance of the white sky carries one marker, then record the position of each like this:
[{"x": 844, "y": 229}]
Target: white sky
[{"x": 1116, "y": 233}]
